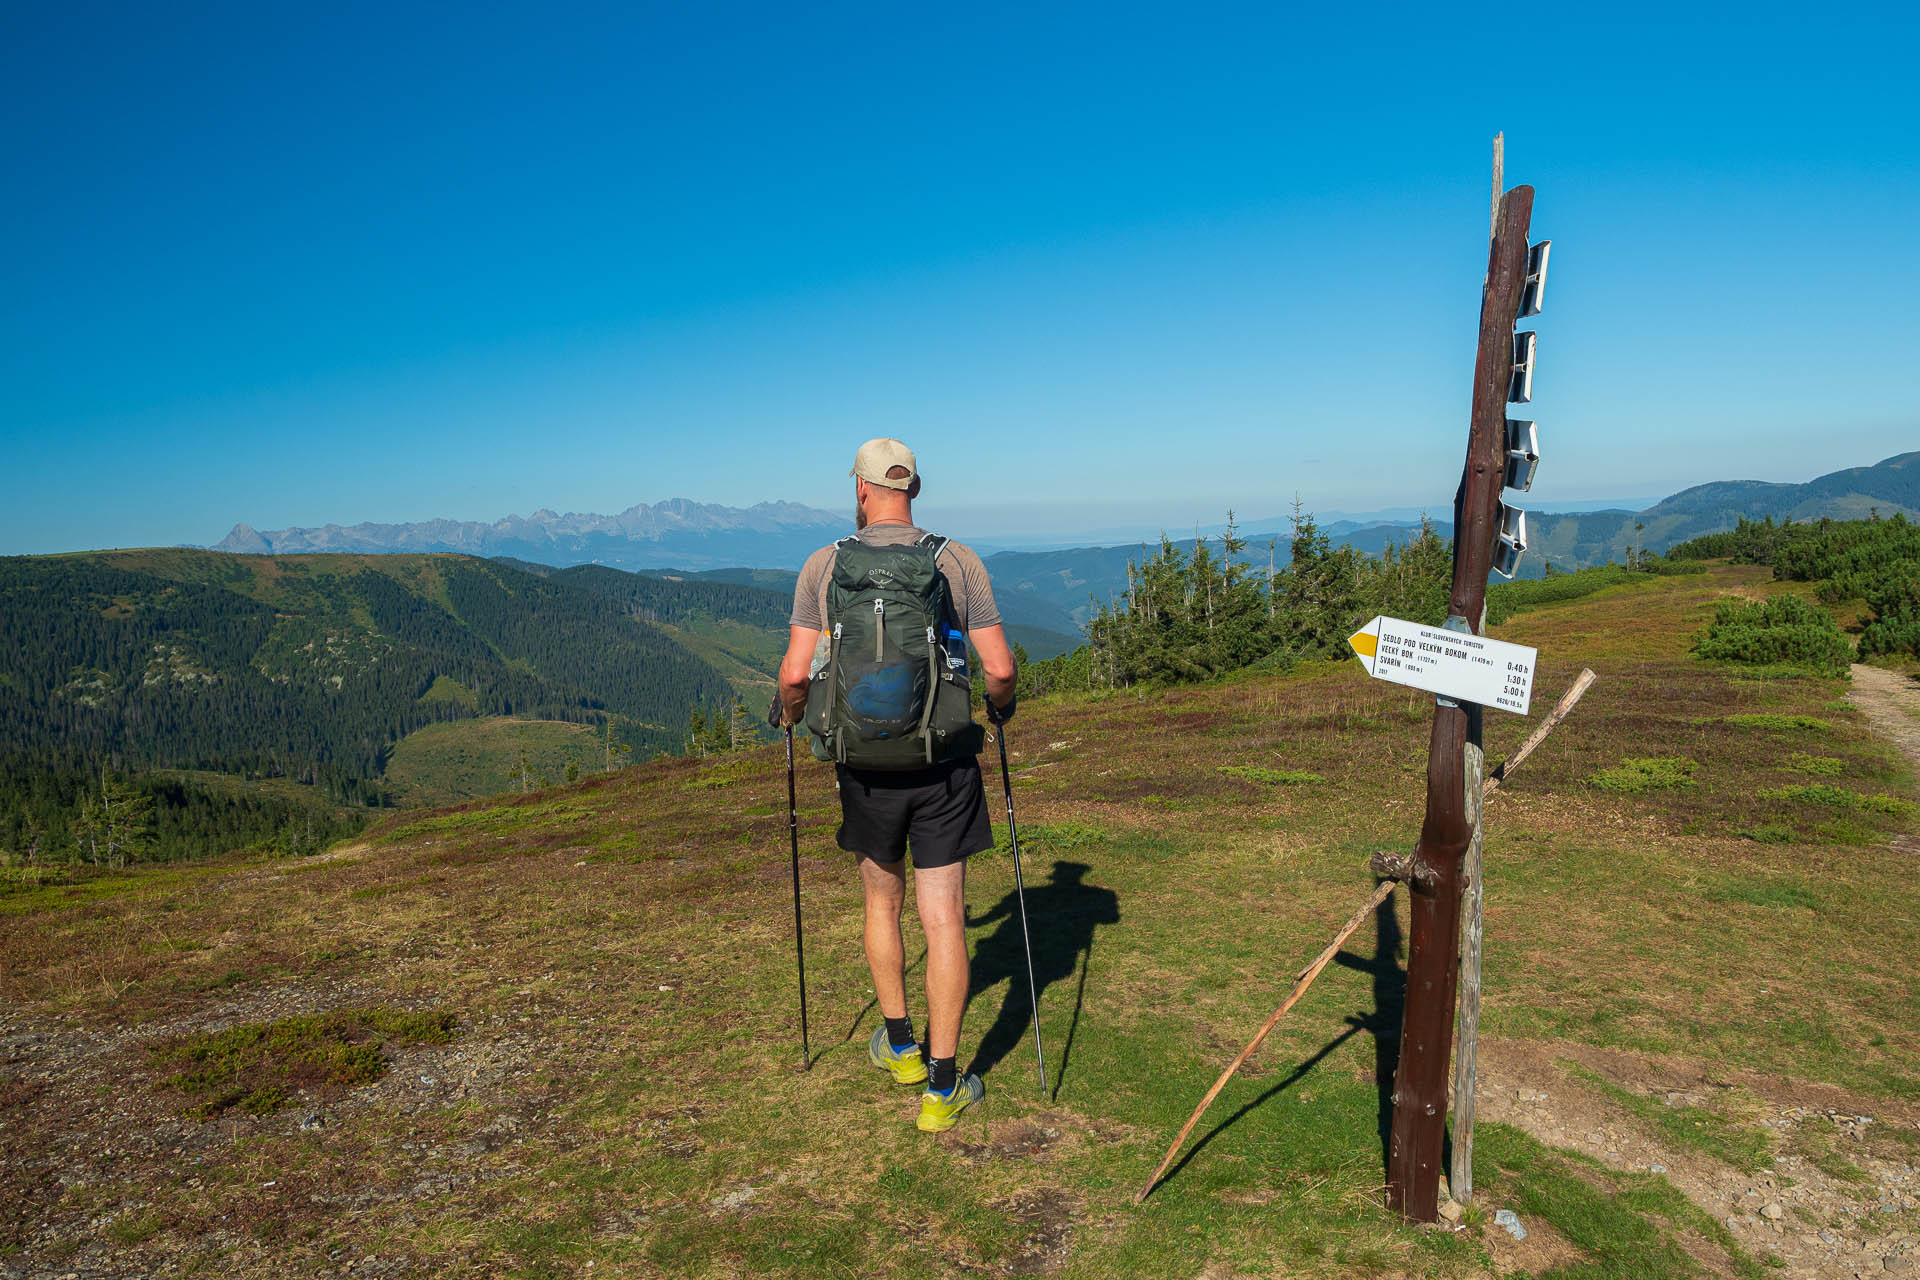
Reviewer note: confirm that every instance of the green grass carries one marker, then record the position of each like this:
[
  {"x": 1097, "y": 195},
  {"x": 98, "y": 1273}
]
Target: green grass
[
  {"x": 1772, "y": 891},
  {"x": 31, "y": 890},
  {"x": 259, "y": 1066},
  {"x": 1064, "y": 838},
  {"x": 1821, "y": 766},
  {"x": 1783, "y": 671},
  {"x": 1696, "y": 1128},
  {"x": 1615, "y": 1221},
  {"x": 1271, "y": 777},
  {"x": 447, "y": 689},
  {"x": 1832, "y": 797},
  {"x": 468, "y": 759},
  {"x": 1639, "y": 775},
  {"x": 1505, "y": 599},
  {"x": 134, "y": 1228},
  {"x": 1780, "y": 723}
]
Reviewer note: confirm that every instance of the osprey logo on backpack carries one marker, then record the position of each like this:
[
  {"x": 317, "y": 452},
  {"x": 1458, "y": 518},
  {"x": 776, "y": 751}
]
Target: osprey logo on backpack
[{"x": 894, "y": 691}]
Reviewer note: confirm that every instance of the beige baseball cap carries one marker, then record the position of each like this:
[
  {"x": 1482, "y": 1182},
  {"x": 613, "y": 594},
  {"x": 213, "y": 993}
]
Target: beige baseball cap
[{"x": 879, "y": 456}]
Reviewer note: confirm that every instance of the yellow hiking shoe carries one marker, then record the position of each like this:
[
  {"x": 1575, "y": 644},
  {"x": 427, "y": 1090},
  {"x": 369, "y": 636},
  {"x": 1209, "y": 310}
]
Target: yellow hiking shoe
[
  {"x": 939, "y": 1110},
  {"x": 906, "y": 1066}
]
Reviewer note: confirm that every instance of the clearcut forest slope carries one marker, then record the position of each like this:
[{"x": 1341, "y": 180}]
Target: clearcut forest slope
[
  {"x": 543, "y": 1033},
  {"x": 305, "y": 667}
]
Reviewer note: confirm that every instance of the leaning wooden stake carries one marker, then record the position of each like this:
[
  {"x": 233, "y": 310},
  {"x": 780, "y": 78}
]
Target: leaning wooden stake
[
  {"x": 1561, "y": 709},
  {"x": 1305, "y": 980},
  {"x": 1465, "y": 1061}
]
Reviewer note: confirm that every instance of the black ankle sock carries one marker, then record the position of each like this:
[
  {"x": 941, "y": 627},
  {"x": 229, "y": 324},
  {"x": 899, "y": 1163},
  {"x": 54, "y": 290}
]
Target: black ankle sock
[
  {"x": 941, "y": 1074},
  {"x": 900, "y": 1032}
]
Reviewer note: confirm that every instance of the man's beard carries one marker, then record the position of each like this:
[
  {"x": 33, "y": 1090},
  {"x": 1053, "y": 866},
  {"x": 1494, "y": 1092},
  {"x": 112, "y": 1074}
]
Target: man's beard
[{"x": 859, "y": 515}]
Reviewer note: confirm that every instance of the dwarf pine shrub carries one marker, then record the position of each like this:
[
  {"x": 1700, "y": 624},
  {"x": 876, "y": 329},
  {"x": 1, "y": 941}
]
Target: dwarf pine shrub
[
  {"x": 1784, "y": 629},
  {"x": 1637, "y": 776},
  {"x": 1825, "y": 793}
]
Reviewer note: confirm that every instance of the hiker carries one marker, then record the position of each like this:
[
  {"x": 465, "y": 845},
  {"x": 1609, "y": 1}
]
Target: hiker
[{"x": 876, "y": 667}]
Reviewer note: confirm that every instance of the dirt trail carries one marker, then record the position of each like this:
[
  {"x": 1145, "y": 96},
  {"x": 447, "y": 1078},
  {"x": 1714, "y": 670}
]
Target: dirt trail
[
  {"x": 1818, "y": 1217},
  {"x": 1891, "y": 701}
]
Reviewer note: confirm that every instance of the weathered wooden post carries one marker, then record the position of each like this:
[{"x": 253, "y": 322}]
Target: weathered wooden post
[
  {"x": 1466, "y": 672},
  {"x": 1465, "y": 1066},
  {"x": 1436, "y": 872}
]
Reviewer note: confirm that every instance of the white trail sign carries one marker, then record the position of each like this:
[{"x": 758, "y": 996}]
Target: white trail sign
[{"x": 1453, "y": 664}]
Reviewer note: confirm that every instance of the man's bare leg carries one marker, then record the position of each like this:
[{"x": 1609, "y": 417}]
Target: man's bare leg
[
  {"x": 940, "y": 896},
  {"x": 885, "y": 884}
]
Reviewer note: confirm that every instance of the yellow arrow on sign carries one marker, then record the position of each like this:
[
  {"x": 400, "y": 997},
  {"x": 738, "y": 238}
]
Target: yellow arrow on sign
[{"x": 1365, "y": 643}]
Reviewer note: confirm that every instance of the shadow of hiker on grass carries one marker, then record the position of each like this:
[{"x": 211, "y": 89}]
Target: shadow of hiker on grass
[{"x": 1062, "y": 914}]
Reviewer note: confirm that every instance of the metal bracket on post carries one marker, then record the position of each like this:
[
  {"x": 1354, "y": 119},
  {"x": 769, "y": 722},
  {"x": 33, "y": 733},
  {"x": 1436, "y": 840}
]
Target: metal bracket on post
[{"x": 1454, "y": 622}]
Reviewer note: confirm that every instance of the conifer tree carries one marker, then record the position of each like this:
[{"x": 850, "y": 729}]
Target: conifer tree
[
  {"x": 616, "y": 751},
  {"x": 124, "y": 823}
]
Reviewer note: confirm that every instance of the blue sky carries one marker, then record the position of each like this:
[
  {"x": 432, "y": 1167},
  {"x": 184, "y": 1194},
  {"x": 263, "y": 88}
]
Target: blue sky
[{"x": 1099, "y": 265}]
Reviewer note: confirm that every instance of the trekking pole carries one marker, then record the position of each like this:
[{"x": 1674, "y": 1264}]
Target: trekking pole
[
  {"x": 1020, "y": 892},
  {"x": 799, "y": 938}
]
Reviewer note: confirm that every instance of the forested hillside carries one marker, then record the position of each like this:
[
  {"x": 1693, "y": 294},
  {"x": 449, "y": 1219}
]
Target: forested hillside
[
  {"x": 1033, "y": 621},
  {"x": 1192, "y": 615},
  {"x": 678, "y": 601},
  {"x": 305, "y": 668},
  {"x": 1873, "y": 564}
]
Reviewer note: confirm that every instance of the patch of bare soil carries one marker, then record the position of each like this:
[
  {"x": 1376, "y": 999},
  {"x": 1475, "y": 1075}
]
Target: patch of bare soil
[
  {"x": 1044, "y": 1136},
  {"x": 1047, "y": 1213},
  {"x": 1891, "y": 702},
  {"x": 1819, "y": 1225},
  {"x": 94, "y": 1158},
  {"x": 1542, "y": 1252}
]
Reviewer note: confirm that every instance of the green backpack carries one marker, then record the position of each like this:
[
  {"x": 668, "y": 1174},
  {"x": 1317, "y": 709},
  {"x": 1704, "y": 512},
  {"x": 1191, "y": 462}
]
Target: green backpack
[{"x": 894, "y": 691}]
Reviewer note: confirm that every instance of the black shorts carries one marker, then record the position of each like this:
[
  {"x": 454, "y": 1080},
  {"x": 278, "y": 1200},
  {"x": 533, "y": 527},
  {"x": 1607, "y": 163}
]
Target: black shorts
[{"x": 941, "y": 812}]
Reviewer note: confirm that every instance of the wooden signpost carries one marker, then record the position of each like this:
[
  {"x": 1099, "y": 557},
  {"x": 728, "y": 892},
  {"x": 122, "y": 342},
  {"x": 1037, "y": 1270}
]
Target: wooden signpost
[
  {"x": 1436, "y": 872},
  {"x": 1466, "y": 671}
]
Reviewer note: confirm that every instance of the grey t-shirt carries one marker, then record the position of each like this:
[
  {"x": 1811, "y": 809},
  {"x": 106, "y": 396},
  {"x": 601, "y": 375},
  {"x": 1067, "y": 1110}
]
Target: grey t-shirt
[{"x": 969, "y": 593}]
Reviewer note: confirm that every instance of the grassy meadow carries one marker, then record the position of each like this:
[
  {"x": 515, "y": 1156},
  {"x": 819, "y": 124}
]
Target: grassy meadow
[
  {"x": 1700, "y": 918},
  {"x": 451, "y": 761}
]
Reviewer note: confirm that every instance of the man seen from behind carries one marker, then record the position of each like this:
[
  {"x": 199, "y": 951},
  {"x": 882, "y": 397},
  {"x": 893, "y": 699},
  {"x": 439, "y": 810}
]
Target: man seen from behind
[{"x": 876, "y": 667}]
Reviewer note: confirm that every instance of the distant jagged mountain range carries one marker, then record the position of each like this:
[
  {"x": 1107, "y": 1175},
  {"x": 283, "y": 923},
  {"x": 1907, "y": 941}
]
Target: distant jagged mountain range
[
  {"x": 675, "y": 534},
  {"x": 1052, "y": 590}
]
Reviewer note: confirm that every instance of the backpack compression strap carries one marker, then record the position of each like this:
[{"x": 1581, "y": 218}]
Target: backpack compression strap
[
  {"x": 839, "y": 740},
  {"x": 936, "y": 544}
]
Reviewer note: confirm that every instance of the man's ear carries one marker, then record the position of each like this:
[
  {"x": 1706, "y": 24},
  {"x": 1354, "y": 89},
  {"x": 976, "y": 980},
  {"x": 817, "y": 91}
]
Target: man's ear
[{"x": 913, "y": 490}]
